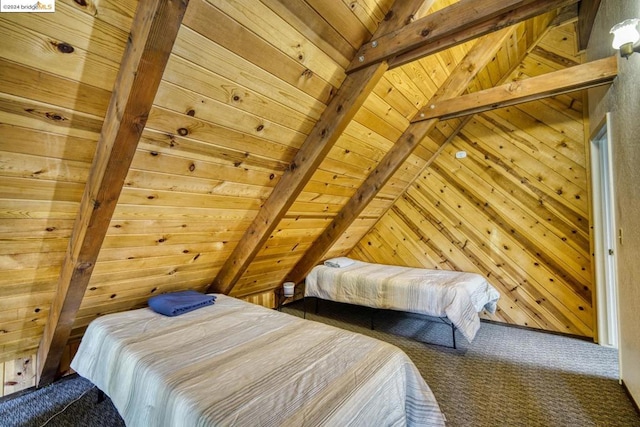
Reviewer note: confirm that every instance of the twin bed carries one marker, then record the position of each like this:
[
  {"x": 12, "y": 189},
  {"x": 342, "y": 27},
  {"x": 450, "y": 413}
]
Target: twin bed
[
  {"x": 235, "y": 363},
  {"x": 455, "y": 296}
]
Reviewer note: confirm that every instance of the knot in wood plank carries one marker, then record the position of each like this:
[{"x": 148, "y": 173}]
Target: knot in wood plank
[
  {"x": 55, "y": 117},
  {"x": 63, "y": 47},
  {"x": 389, "y": 15},
  {"x": 84, "y": 266}
]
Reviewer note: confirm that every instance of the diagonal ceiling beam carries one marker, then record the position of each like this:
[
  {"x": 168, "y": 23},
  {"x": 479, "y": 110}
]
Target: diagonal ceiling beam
[
  {"x": 153, "y": 32},
  {"x": 335, "y": 118},
  {"x": 457, "y": 82},
  {"x": 458, "y": 23},
  {"x": 579, "y": 77}
]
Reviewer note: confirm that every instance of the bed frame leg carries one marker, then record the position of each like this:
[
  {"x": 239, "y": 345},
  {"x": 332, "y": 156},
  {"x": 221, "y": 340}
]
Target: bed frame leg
[
  {"x": 317, "y": 304},
  {"x": 304, "y": 307},
  {"x": 373, "y": 313},
  {"x": 453, "y": 334}
]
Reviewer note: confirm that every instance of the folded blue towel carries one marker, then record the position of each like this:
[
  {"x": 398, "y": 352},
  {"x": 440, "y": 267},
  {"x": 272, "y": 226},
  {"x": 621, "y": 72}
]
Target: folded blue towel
[{"x": 175, "y": 303}]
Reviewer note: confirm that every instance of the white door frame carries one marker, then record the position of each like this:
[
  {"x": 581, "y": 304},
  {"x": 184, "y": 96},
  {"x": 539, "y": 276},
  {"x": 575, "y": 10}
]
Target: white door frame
[{"x": 604, "y": 236}]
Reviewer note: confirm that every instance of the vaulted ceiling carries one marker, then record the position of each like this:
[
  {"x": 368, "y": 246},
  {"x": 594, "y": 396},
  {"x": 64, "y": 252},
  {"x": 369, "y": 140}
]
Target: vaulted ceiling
[{"x": 238, "y": 143}]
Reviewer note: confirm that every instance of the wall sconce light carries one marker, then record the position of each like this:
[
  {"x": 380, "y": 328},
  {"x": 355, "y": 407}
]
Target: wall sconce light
[{"x": 625, "y": 36}]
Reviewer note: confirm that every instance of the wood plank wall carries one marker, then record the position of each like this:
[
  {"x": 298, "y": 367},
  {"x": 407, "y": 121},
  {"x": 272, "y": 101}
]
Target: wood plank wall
[
  {"x": 17, "y": 375},
  {"x": 376, "y": 127},
  {"x": 508, "y": 57},
  {"x": 235, "y": 103},
  {"x": 515, "y": 209},
  {"x": 20, "y": 373},
  {"x": 57, "y": 71}
]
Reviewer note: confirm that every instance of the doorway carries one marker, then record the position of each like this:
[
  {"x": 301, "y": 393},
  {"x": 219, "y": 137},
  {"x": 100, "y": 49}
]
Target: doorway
[{"x": 604, "y": 236}]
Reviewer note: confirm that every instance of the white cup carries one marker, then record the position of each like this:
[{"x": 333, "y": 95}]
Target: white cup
[{"x": 288, "y": 288}]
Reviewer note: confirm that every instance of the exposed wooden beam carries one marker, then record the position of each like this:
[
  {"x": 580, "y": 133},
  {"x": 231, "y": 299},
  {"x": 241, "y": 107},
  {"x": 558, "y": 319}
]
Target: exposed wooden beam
[
  {"x": 457, "y": 82},
  {"x": 153, "y": 32},
  {"x": 565, "y": 15},
  {"x": 584, "y": 76},
  {"x": 458, "y": 23},
  {"x": 553, "y": 57},
  {"x": 470, "y": 32},
  {"x": 586, "y": 15},
  {"x": 335, "y": 118},
  {"x": 401, "y": 14},
  {"x": 423, "y": 10}
]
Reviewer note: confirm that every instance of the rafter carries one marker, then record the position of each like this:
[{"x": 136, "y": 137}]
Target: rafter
[
  {"x": 586, "y": 16},
  {"x": 337, "y": 115},
  {"x": 458, "y": 81},
  {"x": 458, "y": 23},
  {"x": 579, "y": 77},
  {"x": 153, "y": 32},
  {"x": 565, "y": 15}
]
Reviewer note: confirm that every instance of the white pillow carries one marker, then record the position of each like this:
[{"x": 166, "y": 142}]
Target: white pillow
[{"x": 339, "y": 262}]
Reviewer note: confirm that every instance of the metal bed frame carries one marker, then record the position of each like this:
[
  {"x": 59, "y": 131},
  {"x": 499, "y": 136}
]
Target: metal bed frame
[{"x": 444, "y": 320}]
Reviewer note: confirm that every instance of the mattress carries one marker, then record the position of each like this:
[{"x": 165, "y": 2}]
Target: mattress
[
  {"x": 235, "y": 363},
  {"x": 459, "y": 296}
]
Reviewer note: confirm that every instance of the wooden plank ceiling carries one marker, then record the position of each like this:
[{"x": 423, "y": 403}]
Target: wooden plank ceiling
[{"x": 236, "y": 103}]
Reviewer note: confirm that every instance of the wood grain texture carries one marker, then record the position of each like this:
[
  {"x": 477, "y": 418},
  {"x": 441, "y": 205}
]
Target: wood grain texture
[
  {"x": 507, "y": 59},
  {"x": 153, "y": 34},
  {"x": 234, "y": 107},
  {"x": 457, "y": 82},
  {"x": 442, "y": 29},
  {"x": 575, "y": 78},
  {"x": 18, "y": 374},
  {"x": 586, "y": 16},
  {"x": 336, "y": 117},
  {"x": 339, "y": 112},
  {"x": 527, "y": 233}
]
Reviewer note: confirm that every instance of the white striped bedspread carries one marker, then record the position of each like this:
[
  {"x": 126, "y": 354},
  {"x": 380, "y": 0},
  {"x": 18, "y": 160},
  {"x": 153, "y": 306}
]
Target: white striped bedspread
[
  {"x": 457, "y": 295},
  {"x": 235, "y": 363}
]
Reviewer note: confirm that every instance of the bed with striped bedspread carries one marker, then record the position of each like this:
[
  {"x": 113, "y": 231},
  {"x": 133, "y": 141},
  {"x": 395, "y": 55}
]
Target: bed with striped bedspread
[
  {"x": 458, "y": 296},
  {"x": 235, "y": 363}
]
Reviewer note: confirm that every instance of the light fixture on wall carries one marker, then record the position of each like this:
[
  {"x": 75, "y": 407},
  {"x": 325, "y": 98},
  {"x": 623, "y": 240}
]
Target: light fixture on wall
[{"x": 625, "y": 36}]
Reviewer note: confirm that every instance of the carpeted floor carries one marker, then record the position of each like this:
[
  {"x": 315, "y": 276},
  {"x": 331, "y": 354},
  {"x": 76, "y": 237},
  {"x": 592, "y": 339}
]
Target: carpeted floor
[
  {"x": 70, "y": 402},
  {"x": 506, "y": 377}
]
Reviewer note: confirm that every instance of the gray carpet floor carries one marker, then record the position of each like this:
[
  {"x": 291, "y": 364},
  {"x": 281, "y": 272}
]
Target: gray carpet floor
[
  {"x": 70, "y": 402},
  {"x": 506, "y": 377}
]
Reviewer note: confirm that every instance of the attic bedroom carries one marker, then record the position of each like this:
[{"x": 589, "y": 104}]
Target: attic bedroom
[{"x": 228, "y": 147}]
